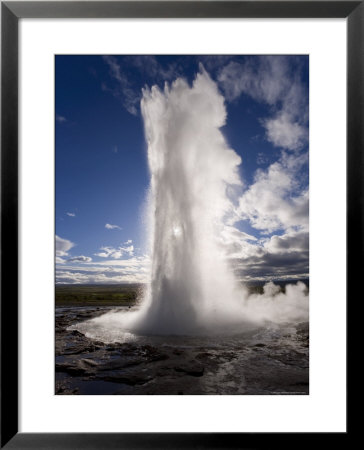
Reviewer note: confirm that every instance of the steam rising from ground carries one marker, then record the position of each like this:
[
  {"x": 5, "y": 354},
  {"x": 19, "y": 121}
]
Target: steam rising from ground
[{"x": 193, "y": 289}]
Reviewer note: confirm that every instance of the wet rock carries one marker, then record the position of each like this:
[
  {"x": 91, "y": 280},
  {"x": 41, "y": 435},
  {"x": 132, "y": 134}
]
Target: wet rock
[
  {"x": 150, "y": 353},
  {"x": 177, "y": 352},
  {"x": 78, "y": 367},
  {"x": 293, "y": 358},
  {"x": 131, "y": 379},
  {"x": 203, "y": 356},
  {"x": 301, "y": 383},
  {"x": 164, "y": 371},
  {"x": 78, "y": 334},
  {"x": 113, "y": 347},
  {"x": 71, "y": 369},
  {"x": 62, "y": 389},
  {"x": 79, "y": 348},
  {"x": 89, "y": 362},
  {"x": 159, "y": 357},
  {"x": 193, "y": 369},
  {"x": 120, "y": 364}
]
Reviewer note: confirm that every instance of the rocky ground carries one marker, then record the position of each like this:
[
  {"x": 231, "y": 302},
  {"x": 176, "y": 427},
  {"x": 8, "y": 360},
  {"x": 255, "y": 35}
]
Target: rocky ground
[{"x": 269, "y": 360}]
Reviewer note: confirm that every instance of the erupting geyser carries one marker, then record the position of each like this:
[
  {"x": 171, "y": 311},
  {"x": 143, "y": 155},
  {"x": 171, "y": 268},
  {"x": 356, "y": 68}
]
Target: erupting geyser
[
  {"x": 192, "y": 288},
  {"x": 191, "y": 166}
]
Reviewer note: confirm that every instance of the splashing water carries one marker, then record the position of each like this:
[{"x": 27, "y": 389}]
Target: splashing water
[{"x": 192, "y": 288}]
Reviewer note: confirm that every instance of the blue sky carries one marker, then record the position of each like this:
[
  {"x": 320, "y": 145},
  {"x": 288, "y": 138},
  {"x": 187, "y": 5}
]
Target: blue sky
[{"x": 102, "y": 174}]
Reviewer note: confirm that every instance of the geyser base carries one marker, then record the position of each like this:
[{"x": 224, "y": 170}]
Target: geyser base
[
  {"x": 266, "y": 360},
  {"x": 273, "y": 306}
]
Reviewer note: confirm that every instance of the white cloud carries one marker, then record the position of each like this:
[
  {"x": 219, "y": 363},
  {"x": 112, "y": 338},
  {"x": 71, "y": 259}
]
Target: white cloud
[
  {"x": 272, "y": 80},
  {"x": 60, "y": 119},
  {"x": 63, "y": 246},
  {"x": 106, "y": 252},
  {"x": 213, "y": 62},
  {"x": 236, "y": 243},
  {"x": 75, "y": 277},
  {"x": 129, "y": 250},
  {"x": 294, "y": 241},
  {"x": 60, "y": 260},
  {"x": 149, "y": 66},
  {"x": 281, "y": 131},
  {"x": 124, "y": 91},
  {"x": 134, "y": 262},
  {"x": 115, "y": 253},
  {"x": 80, "y": 258},
  {"x": 109, "y": 226},
  {"x": 264, "y": 78},
  {"x": 71, "y": 214},
  {"x": 276, "y": 199},
  {"x": 132, "y": 270},
  {"x": 262, "y": 158}
]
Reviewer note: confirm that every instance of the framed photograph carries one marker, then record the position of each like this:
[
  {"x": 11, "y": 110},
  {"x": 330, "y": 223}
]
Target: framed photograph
[{"x": 181, "y": 197}]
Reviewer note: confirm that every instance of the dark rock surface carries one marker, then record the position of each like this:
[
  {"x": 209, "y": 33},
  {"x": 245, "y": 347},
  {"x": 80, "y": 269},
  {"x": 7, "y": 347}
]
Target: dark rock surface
[{"x": 270, "y": 360}]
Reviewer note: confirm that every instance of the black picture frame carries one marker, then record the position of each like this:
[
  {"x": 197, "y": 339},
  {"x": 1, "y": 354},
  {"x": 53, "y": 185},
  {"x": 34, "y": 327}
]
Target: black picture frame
[{"x": 11, "y": 12}]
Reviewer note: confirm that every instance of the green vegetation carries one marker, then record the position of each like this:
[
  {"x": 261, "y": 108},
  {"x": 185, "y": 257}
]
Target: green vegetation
[{"x": 97, "y": 295}]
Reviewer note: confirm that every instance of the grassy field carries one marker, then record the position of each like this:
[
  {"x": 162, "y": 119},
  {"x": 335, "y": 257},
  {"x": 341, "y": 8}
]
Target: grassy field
[
  {"x": 97, "y": 295},
  {"x": 119, "y": 295}
]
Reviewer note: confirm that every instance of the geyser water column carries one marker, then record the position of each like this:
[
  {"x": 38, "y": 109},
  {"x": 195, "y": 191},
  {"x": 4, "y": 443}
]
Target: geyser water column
[{"x": 191, "y": 167}]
